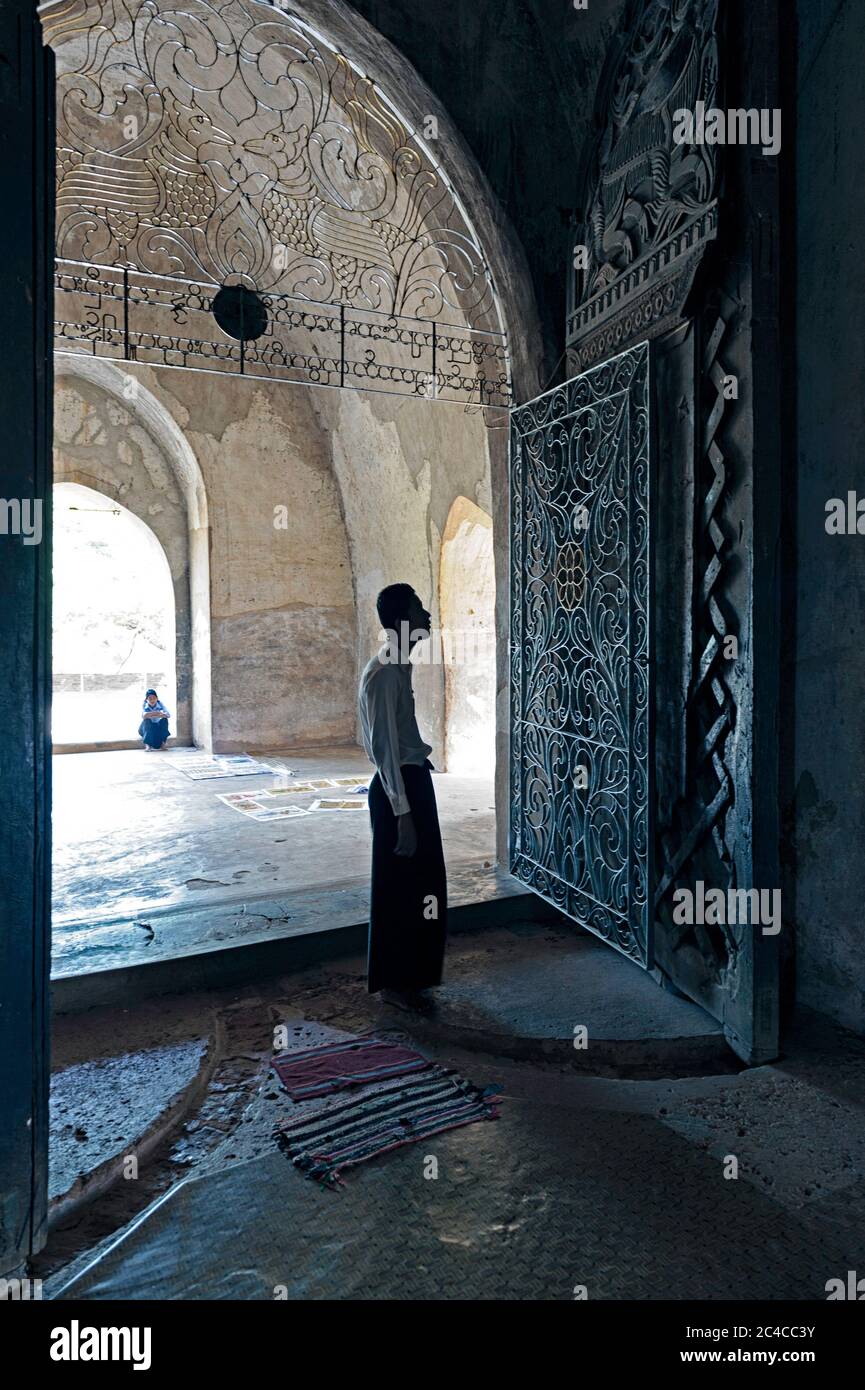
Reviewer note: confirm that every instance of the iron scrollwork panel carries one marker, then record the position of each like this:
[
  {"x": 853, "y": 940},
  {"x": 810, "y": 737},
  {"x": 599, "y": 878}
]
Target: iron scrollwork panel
[{"x": 580, "y": 718}]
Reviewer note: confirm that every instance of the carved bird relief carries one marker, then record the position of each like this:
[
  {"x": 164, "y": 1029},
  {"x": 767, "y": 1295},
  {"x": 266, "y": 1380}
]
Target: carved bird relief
[{"x": 119, "y": 192}]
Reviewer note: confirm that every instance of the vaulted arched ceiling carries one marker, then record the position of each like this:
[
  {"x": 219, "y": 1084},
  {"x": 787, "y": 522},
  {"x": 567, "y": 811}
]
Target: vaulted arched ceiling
[{"x": 223, "y": 140}]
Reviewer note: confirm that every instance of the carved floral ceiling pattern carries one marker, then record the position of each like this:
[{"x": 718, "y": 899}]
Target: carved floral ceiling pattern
[{"x": 220, "y": 140}]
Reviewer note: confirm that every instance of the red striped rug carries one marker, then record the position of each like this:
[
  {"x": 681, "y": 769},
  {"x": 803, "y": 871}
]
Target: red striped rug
[{"x": 319, "y": 1071}]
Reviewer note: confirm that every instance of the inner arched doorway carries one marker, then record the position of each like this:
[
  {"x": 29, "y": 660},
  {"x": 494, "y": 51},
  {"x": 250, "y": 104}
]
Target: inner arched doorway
[
  {"x": 113, "y": 436},
  {"x": 113, "y": 618}
]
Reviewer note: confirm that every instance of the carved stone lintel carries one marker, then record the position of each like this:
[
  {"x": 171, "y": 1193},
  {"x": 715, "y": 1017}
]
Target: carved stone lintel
[{"x": 646, "y": 301}]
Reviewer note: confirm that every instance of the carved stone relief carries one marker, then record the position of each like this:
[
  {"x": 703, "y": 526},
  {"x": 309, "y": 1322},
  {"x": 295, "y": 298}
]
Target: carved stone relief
[{"x": 650, "y": 203}]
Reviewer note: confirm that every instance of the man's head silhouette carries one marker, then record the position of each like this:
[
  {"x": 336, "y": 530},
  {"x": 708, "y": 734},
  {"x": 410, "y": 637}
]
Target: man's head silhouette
[{"x": 403, "y": 617}]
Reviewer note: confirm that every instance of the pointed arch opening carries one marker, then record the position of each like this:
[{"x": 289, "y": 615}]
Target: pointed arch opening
[{"x": 113, "y": 618}]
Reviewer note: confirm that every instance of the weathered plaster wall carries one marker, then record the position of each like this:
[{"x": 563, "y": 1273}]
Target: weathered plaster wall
[
  {"x": 283, "y": 629},
  {"x": 400, "y": 465},
  {"x": 827, "y": 670}
]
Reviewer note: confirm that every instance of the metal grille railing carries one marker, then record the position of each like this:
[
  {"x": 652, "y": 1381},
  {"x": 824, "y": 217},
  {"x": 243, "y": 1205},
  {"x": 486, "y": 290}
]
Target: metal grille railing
[{"x": 127, "y": 316}]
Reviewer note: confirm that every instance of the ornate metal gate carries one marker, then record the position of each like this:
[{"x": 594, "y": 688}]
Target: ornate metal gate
[{"x": 580, "y": 634}]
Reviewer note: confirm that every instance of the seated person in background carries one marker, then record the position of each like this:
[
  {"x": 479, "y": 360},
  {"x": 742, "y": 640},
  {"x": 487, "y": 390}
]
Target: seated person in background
[{"x": 153, "y": 728}]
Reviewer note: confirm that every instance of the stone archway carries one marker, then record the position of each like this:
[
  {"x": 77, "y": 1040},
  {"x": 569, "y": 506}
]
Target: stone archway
[
  {"x": 112, "y": 435},
  {"x": 113, "y": 612}
]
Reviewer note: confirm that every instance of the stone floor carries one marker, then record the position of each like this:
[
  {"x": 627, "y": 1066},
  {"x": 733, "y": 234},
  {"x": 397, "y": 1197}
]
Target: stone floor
[
  {"x": 618, "y": 1182},
  {"x": 132, "y": 832},
  {"x": 136, "y": 841}
]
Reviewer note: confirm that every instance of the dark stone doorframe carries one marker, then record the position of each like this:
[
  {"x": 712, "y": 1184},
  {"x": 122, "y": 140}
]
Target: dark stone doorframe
[
  {"x": 701, "y": 277},
  {"x": 26, "y": 157}
]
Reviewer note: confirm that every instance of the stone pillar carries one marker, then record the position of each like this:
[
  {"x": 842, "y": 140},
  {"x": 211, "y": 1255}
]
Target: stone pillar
[{"x": 26, "y": 244}]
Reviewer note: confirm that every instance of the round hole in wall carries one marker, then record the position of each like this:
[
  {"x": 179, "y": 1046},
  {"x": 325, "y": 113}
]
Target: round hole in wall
[{"x": 240, "y": 312}]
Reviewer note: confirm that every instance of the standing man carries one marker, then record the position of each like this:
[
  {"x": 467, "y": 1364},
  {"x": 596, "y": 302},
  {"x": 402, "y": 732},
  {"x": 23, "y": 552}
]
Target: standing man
[{"x": 408, "y": 907}]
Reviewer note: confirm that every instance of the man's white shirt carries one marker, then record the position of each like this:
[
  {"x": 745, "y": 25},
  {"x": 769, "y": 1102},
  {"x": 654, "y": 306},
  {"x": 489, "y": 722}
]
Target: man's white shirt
[{"x": 388, "y": 724}]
